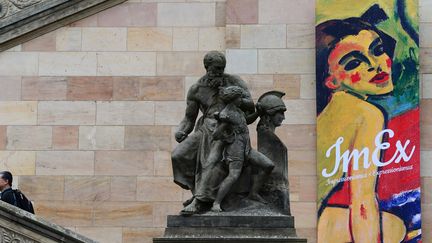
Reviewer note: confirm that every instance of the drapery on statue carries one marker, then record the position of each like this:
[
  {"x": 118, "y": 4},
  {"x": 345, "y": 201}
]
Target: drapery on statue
[{"x": 216, "y": 161}]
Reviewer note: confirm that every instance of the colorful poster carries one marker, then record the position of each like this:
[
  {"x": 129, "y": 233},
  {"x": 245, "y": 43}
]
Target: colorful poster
[{"x": 368, "y": 137}]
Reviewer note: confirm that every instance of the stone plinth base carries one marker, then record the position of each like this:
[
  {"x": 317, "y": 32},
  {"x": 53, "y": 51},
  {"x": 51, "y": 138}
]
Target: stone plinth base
[{"x": 230, "y": 228}]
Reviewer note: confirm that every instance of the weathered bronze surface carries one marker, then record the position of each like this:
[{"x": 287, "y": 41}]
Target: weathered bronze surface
[
  {"x": 239, "y": 194},
  {"x": 214, "y": 158}
]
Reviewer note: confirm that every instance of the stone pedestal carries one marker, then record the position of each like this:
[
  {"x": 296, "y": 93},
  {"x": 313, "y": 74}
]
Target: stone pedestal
[{"x": 230, "y": 228}]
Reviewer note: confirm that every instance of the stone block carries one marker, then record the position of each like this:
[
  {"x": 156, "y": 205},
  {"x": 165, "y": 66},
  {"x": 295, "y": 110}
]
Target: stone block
[
  {"x": 427, "y": 86},
  {"x": 18, "y": 112},
  {"x": 275, "y": 11},
  {"x": 148, "y": 138},
  {"x": 426, "y": 111},
  {"x": 289, "y": 84},
  {"x": 186, "y": 14},
  {"x": 212, "y": 39},
  {"x": 11, "y": 88},
  {"x": 258, "y": 84},
  {"x": 162, "y": 88},
  {"x": 300, "y": 112},
  {"x": 69, "y": 39},
  {"x": 185, "y": 39},
  {"x": 232, "y": 36},
  {"x": 309, "y": 234},
  {"x": 87, "y": 188},
  {"x": 138, "y": 14},
  {"x": 44, "y": 88},
  {"x": 300, "y": 35},
  {"x": 18, "y": 63},
  {"x": 124, "y": 163},
  {"x": 114, "y": 17},
  {"x": 141, "y": 235},
  {"x": 101, "y": 137},
  {"x": 149, "y": 190},
  {"x": 46, "y": 42},
  {"x": 142, "y": 14},
  {"x": 104, "y": 39},
  {"x": 90, "y": 88},
  {"x": 123, "y": 188},
  {"x": 300, "y": 209},
  {"x": 67, "y": 64},
  {"x": 65, "y": 138},
  {"x": 66, "y": 113},
  {"x": 426, "y": 132},
  {"x": 125, "y": 113},
  {"x": 426, "y": 220},
  {"x": 150, "y": 39},
  {"x": 242, "y": 11},
  {"x": 302, "y": 163},
  {"x": 242, "y": 61},
  {"x": 426, "y": 190},
  {"x": 19, "y": 163},
  {"x": 220, "y": 14},
  {"x": 263, "y": 36},
  {"x": 298, "y": 137},
  {"x": 3, "y": 137},
  {"x": 308, "y": 86},
  {"x": 29, "y": 137},
  {"x": 102, "y": 234},
  {"x": 426, "y": 60},
  {"x": 303, "y": 188},
  {"x": 180, "y": 63},
  {"x": 162, "y": 209},
  {"x": 123, "y": 214},
  {"x": 65, "y": 163},
  {"x": 162, "y": 163},
  {"x": 169, "y": 112},
  {"x": 126, "y": 64},
  {"x": 276, "y": 61},
  {"x": 424, "y": 10},
  {"x": 126, "y": 88},
  {"x": 425, "y": 168},
  {"x": 66, "y": 213},
  {"x": 41, "y": 188}
]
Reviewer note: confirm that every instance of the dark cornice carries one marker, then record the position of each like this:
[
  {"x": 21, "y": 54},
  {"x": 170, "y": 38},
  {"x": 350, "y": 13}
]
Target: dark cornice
[{"x": 23, "y": 20}]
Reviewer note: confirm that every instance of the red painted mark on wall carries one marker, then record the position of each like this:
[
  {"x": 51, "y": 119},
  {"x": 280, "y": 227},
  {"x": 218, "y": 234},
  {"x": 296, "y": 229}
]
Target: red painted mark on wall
[{"x": 363, "y": 212}]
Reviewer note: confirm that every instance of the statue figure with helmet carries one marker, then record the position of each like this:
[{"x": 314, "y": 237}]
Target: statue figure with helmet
[{"x": 239, "y": 193}]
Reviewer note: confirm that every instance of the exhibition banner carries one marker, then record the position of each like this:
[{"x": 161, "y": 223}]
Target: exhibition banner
[{"x": 368, "y": 135}]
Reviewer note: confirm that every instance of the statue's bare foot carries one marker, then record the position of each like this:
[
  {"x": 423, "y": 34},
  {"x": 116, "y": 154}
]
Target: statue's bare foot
[
  {"x": 189, "y": 201},
  {"x": 190, "y": 209},
  {"x": 216, "y": 208},
  {"x": 257, "y": 197}
]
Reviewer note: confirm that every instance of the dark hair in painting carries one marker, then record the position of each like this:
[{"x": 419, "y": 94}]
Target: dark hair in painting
[{"x": 329, "y": 33}]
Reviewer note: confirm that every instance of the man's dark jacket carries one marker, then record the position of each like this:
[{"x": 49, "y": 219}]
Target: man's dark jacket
[{"x": 8, "y": 196}]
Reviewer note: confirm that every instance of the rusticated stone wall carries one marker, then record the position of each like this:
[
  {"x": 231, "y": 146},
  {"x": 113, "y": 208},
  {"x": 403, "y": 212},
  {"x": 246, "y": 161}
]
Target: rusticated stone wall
[{"x": 87, "y": 112}]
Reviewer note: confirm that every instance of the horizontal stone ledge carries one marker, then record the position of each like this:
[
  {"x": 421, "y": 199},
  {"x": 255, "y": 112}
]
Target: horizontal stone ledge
[
  {"x": 228, "y": 240},
  {"x": 45, "y": 16},
  {"x": 231, "y": 221}
]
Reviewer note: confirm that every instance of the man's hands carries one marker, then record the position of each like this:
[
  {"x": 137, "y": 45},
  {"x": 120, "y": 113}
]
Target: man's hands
[{"x": 180, "y": 136}]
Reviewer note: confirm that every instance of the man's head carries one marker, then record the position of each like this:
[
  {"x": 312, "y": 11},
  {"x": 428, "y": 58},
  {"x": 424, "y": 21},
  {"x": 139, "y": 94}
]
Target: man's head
[
  {"x": 5, "y": 180},
  {"x": 214, "y": 63}
]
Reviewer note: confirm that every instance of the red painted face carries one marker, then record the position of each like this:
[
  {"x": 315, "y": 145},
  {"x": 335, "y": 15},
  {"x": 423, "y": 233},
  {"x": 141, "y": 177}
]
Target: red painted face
[
  {"x": 358, "y": 63},
  {"x": 389, "y": 63},
  {"x": 355, "y": 78}
]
